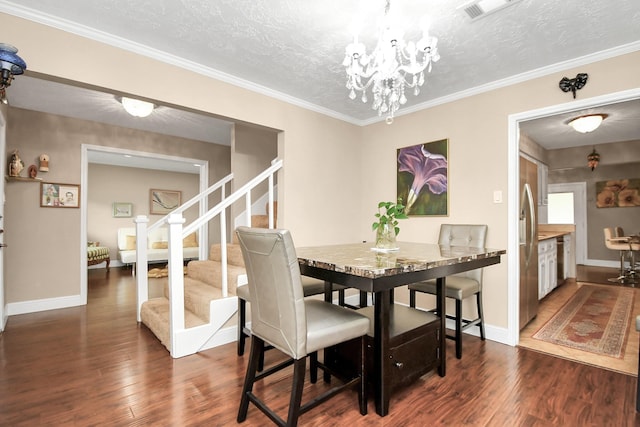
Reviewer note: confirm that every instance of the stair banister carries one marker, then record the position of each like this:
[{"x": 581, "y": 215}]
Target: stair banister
[
  {"x": 176, "y": 278},
  {"x": 241, "y": 192},
  {"x": 220, "y": 209},
  {"x": 141, "y": 236},
  {"x": 195, "y": 199}
]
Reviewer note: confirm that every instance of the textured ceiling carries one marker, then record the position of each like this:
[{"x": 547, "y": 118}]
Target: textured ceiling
[{"x": 293, "y": 49}]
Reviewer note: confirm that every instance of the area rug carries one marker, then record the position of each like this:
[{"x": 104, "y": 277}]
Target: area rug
[
  {"x": 157, "y": 273},
  {"x": 594, "y": 319}
]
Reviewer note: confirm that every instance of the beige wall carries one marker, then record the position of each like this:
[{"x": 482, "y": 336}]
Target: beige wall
[
  {"x": 252, "y": 151},
  {"x": 108, "y": 184},
  {"x": 335, "y": 172},
  {"x": 51, "y": 237},
  {"x": 477, "y": 129}
]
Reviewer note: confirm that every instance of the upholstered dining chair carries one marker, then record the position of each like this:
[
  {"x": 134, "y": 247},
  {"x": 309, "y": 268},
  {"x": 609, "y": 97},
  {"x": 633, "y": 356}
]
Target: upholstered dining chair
[
  {"x": 459, "y": 286},
  {"x": 310, "y": 287},
  {"x": 626, "y": 249},
  {"x": 297, "y": 326}
]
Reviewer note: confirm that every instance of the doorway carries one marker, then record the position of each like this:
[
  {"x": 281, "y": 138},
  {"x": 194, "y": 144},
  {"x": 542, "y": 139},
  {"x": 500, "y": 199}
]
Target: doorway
[
  {"x": 86, "y": 150},
  {"x": 570, "y": 196},
  {"x": 514, "y": 120}
]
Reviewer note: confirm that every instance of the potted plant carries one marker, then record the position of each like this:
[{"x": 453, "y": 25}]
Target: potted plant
[{"x": 386, "y": 225}]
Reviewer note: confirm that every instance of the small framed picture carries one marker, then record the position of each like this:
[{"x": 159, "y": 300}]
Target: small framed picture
[
  {"x": 122, "y": 210},
  {"x": 53, "y": 195},
  {"x": 161, "y": 202}
]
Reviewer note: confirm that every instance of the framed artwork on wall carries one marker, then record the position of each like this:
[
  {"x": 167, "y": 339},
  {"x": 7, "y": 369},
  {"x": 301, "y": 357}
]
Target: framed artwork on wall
[
  {"x": 122, "y": 210},
  {"x": 53, "y": 195},
  {"x": 618, "y": 193},
  {"x": 423, "y": 178},
  {"x": 161, "y": 202}
]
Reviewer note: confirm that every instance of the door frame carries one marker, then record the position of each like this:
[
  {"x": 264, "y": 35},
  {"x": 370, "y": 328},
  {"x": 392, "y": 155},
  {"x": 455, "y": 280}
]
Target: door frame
[
  {"x": 513, "y": 151},
  {"x": 3, "y": 161}
]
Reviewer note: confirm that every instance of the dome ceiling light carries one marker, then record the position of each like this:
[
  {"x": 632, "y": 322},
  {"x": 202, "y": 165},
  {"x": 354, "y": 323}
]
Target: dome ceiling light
[
  {"x": 587, "y": 123},
  {"x": 136, "y": 107}
]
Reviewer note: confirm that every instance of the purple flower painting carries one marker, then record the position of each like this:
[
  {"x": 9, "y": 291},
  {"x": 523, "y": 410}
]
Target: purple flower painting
[{"x": 423, "y": 178}]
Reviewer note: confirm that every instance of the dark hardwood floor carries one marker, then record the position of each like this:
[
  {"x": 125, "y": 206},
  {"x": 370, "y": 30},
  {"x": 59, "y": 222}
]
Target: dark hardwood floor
[{"x": 95, "y": 365}]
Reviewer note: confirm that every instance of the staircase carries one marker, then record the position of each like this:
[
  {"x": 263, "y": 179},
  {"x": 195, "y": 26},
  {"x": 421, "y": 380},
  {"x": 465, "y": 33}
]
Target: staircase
[{"x": 195, "y": 306}]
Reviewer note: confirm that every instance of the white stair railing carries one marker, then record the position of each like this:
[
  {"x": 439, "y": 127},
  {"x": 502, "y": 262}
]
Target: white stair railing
[
  {"x": 177, "y": 232},
  {"x": 142, "y": 232}
]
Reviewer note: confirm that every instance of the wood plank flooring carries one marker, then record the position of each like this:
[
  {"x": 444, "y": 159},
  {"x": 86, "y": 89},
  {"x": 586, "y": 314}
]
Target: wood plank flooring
[{"x": 95, "y": 365}]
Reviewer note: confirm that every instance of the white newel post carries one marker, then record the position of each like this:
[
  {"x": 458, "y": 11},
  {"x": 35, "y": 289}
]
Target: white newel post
[
  {"x": 176, "y": 280},
  {"x": 142, "y": 281}
]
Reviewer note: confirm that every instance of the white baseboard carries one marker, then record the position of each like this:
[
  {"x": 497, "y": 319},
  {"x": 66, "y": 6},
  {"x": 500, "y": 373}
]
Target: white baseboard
[
  {"x": 602, "y": 263},
  {"x": 34, "y": 306}
]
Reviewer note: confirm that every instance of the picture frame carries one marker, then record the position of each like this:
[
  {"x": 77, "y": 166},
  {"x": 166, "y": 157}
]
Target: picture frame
[
  {"x": 423, "y": 178},
  {"x": 122, "y": 210},
  {"x": 56, "y": 195},
  {"x": 161, "y": 202}
]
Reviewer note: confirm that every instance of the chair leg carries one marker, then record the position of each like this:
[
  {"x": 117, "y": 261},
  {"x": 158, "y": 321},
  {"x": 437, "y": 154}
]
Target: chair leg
[
  {"x": 257, "y": 350},
  {"x": 363, "y": 299},
  {"x": 412, "y": 298},
  {"x": 480, "y": 315},
  {"x": 362, "y": 396},
  {"x": 299, "y": 368},
  {"x": 341, "y": 298},
  {"x": 458, "y": 329},
  {"x": 313, "y": 367},
  {"x": 242, "y": 321}
]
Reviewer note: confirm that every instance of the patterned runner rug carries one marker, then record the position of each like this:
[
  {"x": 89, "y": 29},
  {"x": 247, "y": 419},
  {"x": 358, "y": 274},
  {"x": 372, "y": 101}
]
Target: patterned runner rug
[{"x": 594, "y": 319}]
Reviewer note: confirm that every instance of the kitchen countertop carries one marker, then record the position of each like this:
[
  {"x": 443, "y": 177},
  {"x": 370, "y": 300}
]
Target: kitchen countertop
[{"x": 551, "y": 234}]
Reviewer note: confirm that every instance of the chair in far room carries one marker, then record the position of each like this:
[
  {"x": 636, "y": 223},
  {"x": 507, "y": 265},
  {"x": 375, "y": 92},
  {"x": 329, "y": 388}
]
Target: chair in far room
[
  {"x": 297, "y": 326},
  {"x": 615, "y": 239},
  {"x": 458, "y": 286}
]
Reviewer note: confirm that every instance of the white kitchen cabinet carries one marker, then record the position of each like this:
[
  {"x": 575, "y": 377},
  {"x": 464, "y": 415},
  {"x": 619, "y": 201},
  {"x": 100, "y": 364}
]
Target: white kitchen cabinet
[{"x": 547, "y": 266}]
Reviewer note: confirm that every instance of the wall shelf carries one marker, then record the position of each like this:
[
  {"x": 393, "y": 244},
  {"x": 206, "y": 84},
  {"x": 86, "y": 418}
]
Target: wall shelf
[{"x": 21, "y": 179}]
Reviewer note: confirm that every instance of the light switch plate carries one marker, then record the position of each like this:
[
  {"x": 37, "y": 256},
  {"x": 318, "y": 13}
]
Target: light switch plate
[{"x": 497, "y": 196}]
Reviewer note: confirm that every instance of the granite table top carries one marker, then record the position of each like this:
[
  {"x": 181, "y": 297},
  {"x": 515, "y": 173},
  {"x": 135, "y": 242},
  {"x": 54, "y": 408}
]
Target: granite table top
[{"x": 361, "y": 259}]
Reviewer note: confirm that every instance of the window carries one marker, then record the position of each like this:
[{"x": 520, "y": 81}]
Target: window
[{"x": 560, "y": 208}]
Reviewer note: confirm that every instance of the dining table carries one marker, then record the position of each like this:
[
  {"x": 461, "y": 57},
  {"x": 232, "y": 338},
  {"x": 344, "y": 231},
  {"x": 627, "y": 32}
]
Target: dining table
[{"x": 379, "y": 272}]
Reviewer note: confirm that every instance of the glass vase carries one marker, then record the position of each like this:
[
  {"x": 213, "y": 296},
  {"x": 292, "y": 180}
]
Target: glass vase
[{"x": 386, "y": 237}]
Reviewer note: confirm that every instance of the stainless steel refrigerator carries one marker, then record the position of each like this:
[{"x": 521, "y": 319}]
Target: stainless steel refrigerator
[{"x": 528, "y": 236}]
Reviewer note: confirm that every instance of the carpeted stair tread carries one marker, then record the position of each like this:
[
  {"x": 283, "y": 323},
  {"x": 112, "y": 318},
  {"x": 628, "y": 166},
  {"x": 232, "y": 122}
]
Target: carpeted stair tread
[
  {"x": 197, "y": 296},
  {"x": 154, "y": 313}
]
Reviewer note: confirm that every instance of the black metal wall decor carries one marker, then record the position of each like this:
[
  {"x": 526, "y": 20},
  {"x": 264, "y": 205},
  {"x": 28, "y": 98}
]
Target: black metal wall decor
[{"x": 577, "y": 83}]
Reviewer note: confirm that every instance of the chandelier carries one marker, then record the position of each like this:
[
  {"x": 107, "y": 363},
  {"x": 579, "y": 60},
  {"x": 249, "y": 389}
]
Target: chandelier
[{"x": 393, "y": 66}]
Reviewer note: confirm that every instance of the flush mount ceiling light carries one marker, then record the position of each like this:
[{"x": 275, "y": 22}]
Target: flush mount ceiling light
[
  {"x": 137, "y": 108},
  {"x": 393, "y": 65},
  {"x": 12, "y": 65},
  {"x": 588, "y": 123}
]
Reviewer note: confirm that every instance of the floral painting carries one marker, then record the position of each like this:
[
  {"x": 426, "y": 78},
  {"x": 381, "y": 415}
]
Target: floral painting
[
  {"x": 423, "y": 174},
  {"x": 618, "y": 193}
]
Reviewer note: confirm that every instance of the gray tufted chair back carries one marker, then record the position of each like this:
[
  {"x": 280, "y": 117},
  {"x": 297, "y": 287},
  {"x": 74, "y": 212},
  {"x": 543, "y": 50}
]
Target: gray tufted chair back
[
  {"x": 277, "y": 299},
  {"x": 466, "y": 235}
]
